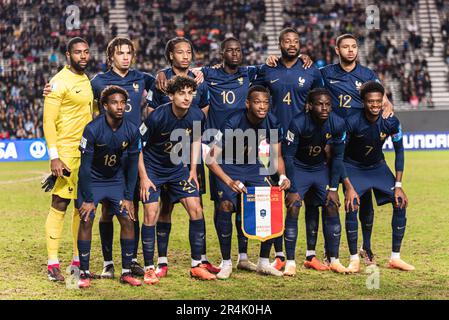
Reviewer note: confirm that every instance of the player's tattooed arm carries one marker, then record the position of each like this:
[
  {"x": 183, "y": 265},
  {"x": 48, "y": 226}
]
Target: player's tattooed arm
[
  {"x": 387, "y": 111},
  {"x": 145, "y": 183},
  {"x": 272, "y": 60}
]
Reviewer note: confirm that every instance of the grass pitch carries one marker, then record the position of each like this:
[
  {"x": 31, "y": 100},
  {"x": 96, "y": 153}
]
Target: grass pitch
[{"x": 24, "y": 208}]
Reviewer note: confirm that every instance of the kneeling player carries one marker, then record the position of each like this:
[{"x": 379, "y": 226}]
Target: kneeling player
[
  {"x": 305, "y": 160},
  {"x": 156, "y": 169},
  {"x": 240, "y": 170},
  {"x": 366, "y": 169},
  {"x": 102, "y": 178}
]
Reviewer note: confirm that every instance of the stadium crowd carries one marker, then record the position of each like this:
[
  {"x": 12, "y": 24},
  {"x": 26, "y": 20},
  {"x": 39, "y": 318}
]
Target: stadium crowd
[{"x": 319, "y": 25}]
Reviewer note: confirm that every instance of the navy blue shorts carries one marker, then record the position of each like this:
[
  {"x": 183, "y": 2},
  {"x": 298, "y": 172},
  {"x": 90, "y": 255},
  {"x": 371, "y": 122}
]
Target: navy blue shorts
[
  {"x": 379, "y": 178},
  {"x": 316, "y": 181},
  {"x": 248, "y": 175},
  {"x": 177, "y": 186},
  {"x": 113, "y": 194}
]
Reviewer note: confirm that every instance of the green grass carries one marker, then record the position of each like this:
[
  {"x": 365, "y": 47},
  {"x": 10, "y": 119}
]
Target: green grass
[{"x": 23, "y": 251}]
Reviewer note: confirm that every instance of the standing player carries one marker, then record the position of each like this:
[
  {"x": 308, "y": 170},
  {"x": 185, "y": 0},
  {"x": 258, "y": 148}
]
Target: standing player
[
  {"x": 233, "y": 177},
  {"x": 308, "y": 135},
  {"x": 367, "y": 170},
  {"x": 156, "y": 169},
  {"x": 120, "y": 54},
  {"x": 289, "y": 82},
  {"x": 343, "y": 80},
  {"x": 103, "y": 177},
  {"x": 179, "y": 54},
  {"x": 67, "y": 110}
]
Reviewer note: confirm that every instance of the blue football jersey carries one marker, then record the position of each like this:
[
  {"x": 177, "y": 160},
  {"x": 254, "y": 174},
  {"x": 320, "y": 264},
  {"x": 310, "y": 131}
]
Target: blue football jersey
[
  {"x": 289, "y": 88},
  {"x": 232, "y": 146},
  {"x": 227, "y": 92},
  {"x": 200, "y": 97},
  {"x": 156, "y": 131},
  {"x": 306, "y": 139},
  {"x": 135, "y": 82},
  {"x": 345, "y": 87},
  {"x": 365, "y": 139},
  {"x": 107, "y": 147}
]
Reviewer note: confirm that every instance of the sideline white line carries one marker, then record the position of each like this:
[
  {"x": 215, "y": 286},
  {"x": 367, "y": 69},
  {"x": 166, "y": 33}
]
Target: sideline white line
[{"x": 41, "y": 176}]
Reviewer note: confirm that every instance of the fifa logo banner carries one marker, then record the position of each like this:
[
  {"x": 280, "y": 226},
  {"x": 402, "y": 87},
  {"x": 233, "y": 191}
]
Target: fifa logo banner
[{"x": 263, "y": 213}]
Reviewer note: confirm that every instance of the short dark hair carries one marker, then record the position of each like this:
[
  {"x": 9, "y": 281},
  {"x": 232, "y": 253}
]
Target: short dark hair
[
  {"x": 285, "y": 31},
  {"x": 223, "y": 43},
  {"x": 345, "y": 36},
  {"x": 109, "y": 91},
  {"x": 257, "y": 88},
  {"x": 74, "y": 41},
  {"x": 178, "y": 83},
  {"x": 117, "y": 42},
  {"x": 170, "y": 46},
  {"x": 314, "y": 93},
  {"x": 371, "y": 86}
]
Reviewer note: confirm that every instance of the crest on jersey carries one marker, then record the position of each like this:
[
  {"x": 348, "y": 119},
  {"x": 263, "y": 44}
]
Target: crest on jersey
[
  {"x": 328, "y": 136},
  {"x": 220, "y": 194},
  {"x": 290, "y": 136},
  {"x": 136, "y": 87},
  {"x": 383, "y": 136},
  {"x": 240, "y": 80},
  {"x": 188, "y": 131},
  {"x": 124, "y": 144},
  {"x": 358, "y": 85},
  {"x": 301, "y": 81}
]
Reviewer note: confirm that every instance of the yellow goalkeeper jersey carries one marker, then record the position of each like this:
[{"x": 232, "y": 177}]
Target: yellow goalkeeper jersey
[{"x": 67, "y": 110}]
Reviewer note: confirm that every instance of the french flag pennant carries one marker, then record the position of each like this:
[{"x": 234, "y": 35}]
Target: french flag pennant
[{"x": 263, "y": 213}]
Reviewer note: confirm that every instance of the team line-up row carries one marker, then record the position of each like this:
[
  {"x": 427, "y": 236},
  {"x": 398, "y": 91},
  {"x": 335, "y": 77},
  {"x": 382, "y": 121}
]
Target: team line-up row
[{"x": 331, "y": 125}]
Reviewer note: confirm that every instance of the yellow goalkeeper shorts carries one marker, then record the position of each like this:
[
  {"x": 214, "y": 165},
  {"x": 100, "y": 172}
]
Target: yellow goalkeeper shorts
[{"x": 66, "y": 187}]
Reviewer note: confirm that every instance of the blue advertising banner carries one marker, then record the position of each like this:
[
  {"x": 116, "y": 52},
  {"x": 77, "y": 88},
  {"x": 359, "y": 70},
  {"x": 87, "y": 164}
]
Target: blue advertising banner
[
  {"x": 422, "y": 141},
  {"x": 23, "y": 150}
]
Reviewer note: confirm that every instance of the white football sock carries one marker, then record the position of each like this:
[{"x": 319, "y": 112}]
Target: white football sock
[
  {"x": 395, "y": 255},
  {"x": 310, "y": 253},
  {"x": 126, "y": 271},
  {"x": 106, "y": 263},
  {"x": 280, "y": 254},
  {"x": 149, "y": 267},
  {"x": 264, "y": 261},
  {"x": 353, "y": 257},
  {"x": 195, "y": 263},
  {"x": 243, "y": 256},
  {"x": 162, "y": 260},
  {"x": 290, "y": 263}
]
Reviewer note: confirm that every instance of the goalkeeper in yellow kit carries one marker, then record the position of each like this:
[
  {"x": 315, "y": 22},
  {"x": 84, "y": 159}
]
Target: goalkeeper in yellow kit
[{"x": 67, "y": 110}]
